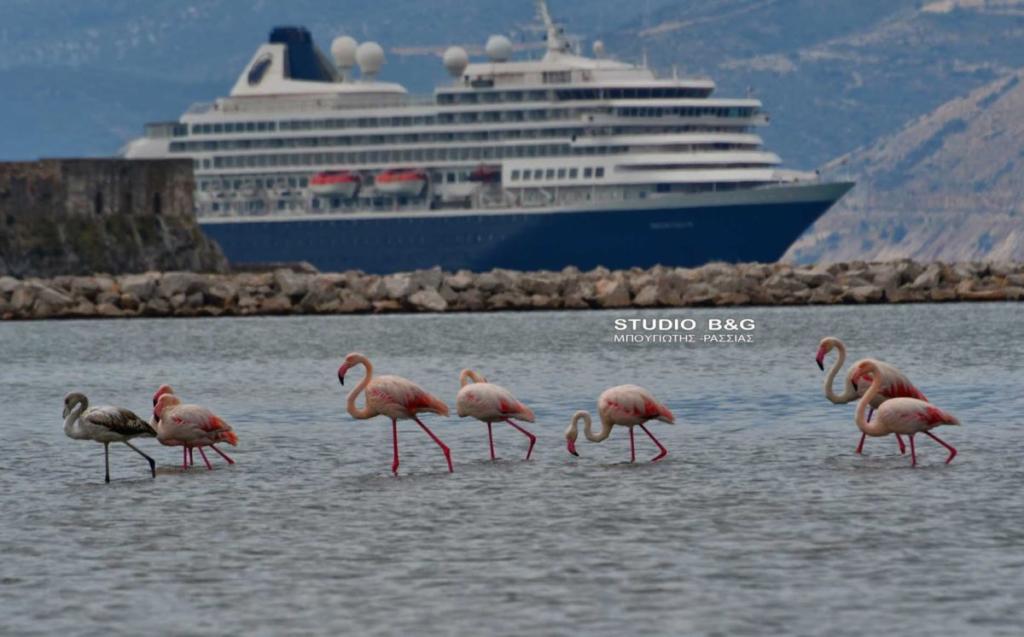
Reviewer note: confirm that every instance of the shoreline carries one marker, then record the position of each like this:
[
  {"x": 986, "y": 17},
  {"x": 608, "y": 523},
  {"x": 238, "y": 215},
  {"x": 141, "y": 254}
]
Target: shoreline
[{"x": 287, "y": 292}]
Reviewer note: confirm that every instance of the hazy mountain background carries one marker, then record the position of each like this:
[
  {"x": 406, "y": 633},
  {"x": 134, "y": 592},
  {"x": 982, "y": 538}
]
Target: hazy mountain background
[{"x": 918, "y": 100}]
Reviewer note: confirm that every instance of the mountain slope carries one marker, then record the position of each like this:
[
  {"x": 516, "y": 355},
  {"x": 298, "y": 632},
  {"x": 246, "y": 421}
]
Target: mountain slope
[
  {"x": 949, "y": 186},
  {"x": 834, "y": 74}
]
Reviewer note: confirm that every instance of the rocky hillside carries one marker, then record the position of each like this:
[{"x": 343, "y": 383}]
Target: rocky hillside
[
  {"x": 834, "y": 75},
  {"x": 949, "y": 186}
]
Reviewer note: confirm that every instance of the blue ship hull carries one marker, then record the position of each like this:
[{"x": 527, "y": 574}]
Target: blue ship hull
[{"x": 619, "y": 238}]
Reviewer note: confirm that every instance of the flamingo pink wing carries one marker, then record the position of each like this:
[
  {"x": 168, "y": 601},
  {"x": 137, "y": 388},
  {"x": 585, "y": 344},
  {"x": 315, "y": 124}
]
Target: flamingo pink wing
[{"x": 934, "y": 416}]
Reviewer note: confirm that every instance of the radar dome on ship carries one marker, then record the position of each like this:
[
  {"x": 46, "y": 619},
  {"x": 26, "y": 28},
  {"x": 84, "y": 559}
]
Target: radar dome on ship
[
  {"x": 343, "y": 49},
  {"x": 456, "y": 60},
  {"x": 598, "y": 48},
  {"x": 499, "y": 48},
  {"x": 370, "y": 57}
]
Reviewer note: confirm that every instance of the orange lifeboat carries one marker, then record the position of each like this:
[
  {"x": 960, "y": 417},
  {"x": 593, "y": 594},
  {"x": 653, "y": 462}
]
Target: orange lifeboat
[
  {"x": 408, "y": 183},
  {"x": 336, "y": 182}
]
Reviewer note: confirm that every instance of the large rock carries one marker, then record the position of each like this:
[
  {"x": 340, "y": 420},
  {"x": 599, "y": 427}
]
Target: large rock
[
  {"x": 353, "y": 303},
  {"x": 398, "y": 286},
  {"x": 173, "y": 283},
  {"x": 811, "y": 278},
  {"x": 53, "y": 298},
  {"x": 7, "y": 285},
  {"x": 279, "y": 304},
  {"x": 427, "y": 279},
  {"x": 929, "y": 279},
  {"x": 428, "y": 300},
  {"x": 460, "y": 281},
  {"x": 647, "y": 297},
  {"x": 291, "y": 284},
  {"x": 141, "y": 286},
  {"x": 544, "y": 284},
  {"x": 612, "y": 293}
]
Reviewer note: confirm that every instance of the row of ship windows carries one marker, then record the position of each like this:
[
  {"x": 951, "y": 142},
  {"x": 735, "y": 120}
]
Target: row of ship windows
[
  {"x": 556, "y": 173},
  {"x": 434, "y": 154},
  {"x": 446, "y": 138},
  {"x": 491, "y": 97},
  {"x": 408, "y": 155},
  {"x": 541, "y": 114}
]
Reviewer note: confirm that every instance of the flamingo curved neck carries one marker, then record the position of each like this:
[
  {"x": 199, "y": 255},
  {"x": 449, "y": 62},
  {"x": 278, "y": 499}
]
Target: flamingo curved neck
[
  {"x": 874, "y": 428},
  {"x": 588, "y": 429},
  {"x": 468, "y": 376},
  {"x": 849, "y": 393},
  {"x": 72, "y": 422},
  {"x": 353, "y": 410}
]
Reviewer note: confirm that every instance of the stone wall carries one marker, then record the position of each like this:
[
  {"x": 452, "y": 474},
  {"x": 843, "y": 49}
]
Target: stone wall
[
  {"x": 285, "y": 291},
  {"x": 81, "y": 216}
]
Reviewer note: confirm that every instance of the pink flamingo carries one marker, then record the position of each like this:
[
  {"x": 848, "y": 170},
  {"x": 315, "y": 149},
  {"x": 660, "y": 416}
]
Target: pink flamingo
[
  {"x": 908, "y": 416},
  {"x": 394, "y": 397},
  {"x": 625, "y": 405},
  {"x": 491, "y": 403},
  {"x": 167, "y": 389},
  {"x": 895, "y": 384},
  {"x": 190, "y": 427}
]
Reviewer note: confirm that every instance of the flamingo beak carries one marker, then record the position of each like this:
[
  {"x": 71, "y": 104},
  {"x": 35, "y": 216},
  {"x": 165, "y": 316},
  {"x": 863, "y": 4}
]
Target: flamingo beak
[
  {"x": 341, "y": 373},
  {"x": 820, "y": 360},
  {"x": 572, "y": 447}
]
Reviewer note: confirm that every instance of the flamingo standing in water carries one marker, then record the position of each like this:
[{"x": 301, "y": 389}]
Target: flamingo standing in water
[
  {"x": 167, "y": 389},
  {"x": 105, "y": 425},
  {"x": 895, "y": 384},
  {"x": 394, "y": 397},
  {"x": 191, "y": 427},
  {"x": 491, "y": 403},
  {"x": 907, "y": 416},
  {"x": 625, "y": 405}
]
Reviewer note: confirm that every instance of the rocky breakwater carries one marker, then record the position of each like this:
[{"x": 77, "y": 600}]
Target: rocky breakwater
[{"x": 285, "y": 291}]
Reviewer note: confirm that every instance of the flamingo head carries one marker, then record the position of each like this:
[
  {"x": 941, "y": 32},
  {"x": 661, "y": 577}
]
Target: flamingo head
[
  {"x": 163, "y": 403},
  {"x": 350, "y": 361},
  {"x": 572, "y": 432},
  {"x": 164, "y": 389},
  {"x": 70, "y": 401},
  {"x": 824, "y": 348}
]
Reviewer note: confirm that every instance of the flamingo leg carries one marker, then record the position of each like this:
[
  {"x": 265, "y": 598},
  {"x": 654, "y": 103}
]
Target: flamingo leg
[
  {"x": 152, "y": 463},
  {"x": 490, "y": 439},
  {"x": 632, "y": 446},
  {"x": 106, "y": 459},
  {"x": 203, "y": 454},
  {"x": 533, "y": 438},
  {"x": 394, "y": 443},
  {"x": 871, "y": 412},
  {"x": 913, "y": 452},
  {"x": 860, "y": 447},
  {"x": 903, "y": 447},
  {"x": 663, "y": 452},
  {"x": 184, "y": 458},
  {"x": 191, "y": 457},
  {"x": 952, "y": 451},
  {"x": 444, "y": 447},
  {"x": 222, "y": 454}
]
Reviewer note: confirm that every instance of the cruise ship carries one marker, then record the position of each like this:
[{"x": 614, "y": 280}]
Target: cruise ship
[{"x": 529, "y": 164}]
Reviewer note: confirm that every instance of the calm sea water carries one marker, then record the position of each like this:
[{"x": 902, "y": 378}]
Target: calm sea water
[{"x": 761, "y": 521}]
